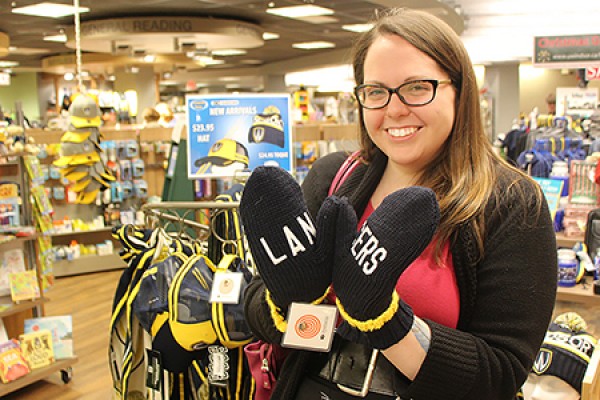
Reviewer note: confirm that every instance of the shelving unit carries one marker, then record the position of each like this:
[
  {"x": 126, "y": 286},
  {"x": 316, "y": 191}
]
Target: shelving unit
[
  {"x": 86, "y": 264},
  {"x": 13, "y": 314}
]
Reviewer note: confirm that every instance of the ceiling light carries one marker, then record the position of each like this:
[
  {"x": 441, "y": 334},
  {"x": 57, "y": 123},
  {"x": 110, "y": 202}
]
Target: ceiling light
[
  {"x": 50, "y": 10},
  {"x": 69, "y": 76},
  {"x": 313, "y": 45},
  {"x": 60, "y": 38},
  {"x": 228, "y": 52},
  {"x": 229, "y": 78},
  {"x": 208, "y": 60},
  {"x": 358, "y": 27},
  {"x": 270, "y": 36},
  {"x": 8, "y": 64},
  {"x": 307, "y": 10},
  {"x": 149, "y": 58}
]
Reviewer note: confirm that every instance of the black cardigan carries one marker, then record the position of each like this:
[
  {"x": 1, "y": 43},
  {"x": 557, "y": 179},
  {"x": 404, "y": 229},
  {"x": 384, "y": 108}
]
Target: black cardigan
[{"x": 506, "y": 298}]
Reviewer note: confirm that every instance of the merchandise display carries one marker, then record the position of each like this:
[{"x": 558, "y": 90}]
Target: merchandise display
[{"x": 80, "y": 161}]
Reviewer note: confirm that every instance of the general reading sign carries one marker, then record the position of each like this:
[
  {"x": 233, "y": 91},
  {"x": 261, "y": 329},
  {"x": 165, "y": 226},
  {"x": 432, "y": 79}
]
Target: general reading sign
[{"x": 567, "y": 51}]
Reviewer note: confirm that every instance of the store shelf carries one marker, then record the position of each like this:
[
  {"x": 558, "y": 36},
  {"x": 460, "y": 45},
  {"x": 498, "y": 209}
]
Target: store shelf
[
  {"x": 77, "y": 233},
  {"x": 567, "y": 241},
  {"x": 37, "y": 374},
  {"x": 87, "y": 264},
  {"x": 16, "y": 308},
  {"x": 579, "y": 293}
]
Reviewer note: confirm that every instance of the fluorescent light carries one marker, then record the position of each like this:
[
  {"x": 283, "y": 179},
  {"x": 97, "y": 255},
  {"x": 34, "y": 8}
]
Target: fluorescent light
[
  {"x": 228, "y": 52},
  {"x": 270, "y": 36},
  {"x": 358, "y": 27},
  {"x": 61, "y": 38},
  {"x": 8, "y": 64},
  {"x": 313, "y": 45},
  {"x": 207, "y": 60},
  {"x": 303, "y": 11},
  {"x": 50, "y": 10}
]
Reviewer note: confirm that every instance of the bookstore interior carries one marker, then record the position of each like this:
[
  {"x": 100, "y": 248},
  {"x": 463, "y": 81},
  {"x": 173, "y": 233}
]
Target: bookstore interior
[{"x": 126, "y": 142}]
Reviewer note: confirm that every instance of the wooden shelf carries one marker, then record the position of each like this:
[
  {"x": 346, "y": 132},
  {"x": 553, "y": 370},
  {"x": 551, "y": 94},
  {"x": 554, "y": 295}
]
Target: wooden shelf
[
  {"x": 87, "y": 264},
  {"x": 77, "y": 233},
  {"x": 38, "y": 374},
  {"x": 567, "y": 241},
  {"x": 16, "y": 308},
  {"x": 579, "y": 294}
]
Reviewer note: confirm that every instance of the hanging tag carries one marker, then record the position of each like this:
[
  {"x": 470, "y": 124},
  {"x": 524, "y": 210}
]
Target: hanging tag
[
  {"x": 218, "y": 365},
  {"x": 310, "y": 327},
  {"x": 226, "y": 287},
  {"x": 154, "y": 371}
]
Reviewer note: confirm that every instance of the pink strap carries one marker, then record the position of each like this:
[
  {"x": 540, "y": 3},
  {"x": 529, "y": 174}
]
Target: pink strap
[{"x": 344, "y": 172}]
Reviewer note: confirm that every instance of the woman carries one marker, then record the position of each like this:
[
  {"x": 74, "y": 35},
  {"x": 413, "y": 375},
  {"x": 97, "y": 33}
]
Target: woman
[{"x": 483, "y": 291}]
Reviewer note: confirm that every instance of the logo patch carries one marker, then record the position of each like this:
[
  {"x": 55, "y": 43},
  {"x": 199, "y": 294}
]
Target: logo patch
[{"x": 543, "y": 361}]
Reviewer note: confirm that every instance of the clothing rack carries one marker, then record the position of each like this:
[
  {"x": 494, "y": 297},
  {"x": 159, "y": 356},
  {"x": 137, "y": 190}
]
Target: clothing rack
[{"x": 214, "y": 230}]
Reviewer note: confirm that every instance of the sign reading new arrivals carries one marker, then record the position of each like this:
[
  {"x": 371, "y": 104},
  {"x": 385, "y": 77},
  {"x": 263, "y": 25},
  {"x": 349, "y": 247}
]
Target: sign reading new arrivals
[
  {"x": 232, "y": 133},
  {"x": 577, "y": 51}
]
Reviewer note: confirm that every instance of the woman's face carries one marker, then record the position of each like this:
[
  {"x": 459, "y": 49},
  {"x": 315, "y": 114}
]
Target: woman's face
[{"x": 410, "y": 136}]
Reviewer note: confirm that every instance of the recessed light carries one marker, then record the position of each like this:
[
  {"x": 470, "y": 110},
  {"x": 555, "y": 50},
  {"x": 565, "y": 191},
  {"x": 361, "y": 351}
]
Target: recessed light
[
  {"x": 228, "y": 52},
  {"x": 50, "y": 10},
  {"x": 358, "y": 27},
  {"x": 60, "y": 38},
  {"x": 270, "y": 36},
  {"x": 313, "y": 45},
  {"x": 307, "y": 10}
]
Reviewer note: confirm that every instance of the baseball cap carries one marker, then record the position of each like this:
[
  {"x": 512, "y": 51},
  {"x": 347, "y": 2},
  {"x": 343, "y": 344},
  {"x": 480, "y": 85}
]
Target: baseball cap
[
  {"x": 84, "y": 112},
  {"x": 225, "y": 152},
  {"x": 566, "y": 350},
  {"x": 267, "y": 127}
]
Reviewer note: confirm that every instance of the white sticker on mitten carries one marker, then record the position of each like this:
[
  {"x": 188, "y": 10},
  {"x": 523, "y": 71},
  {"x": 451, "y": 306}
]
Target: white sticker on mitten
[{"x": 310, "y": 327}]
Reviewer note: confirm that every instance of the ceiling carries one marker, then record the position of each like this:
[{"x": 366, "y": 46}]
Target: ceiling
[{"x": 493, "y": 31}]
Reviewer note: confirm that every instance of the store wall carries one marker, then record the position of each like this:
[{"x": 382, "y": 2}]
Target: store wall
[
  {"x": 24, "y": 88},
  {"x": 537, "y": 83}
]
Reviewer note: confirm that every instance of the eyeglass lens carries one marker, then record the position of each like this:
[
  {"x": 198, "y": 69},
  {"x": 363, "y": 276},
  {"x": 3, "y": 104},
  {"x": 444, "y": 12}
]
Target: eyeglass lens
[{"x": 412, "y": 93}]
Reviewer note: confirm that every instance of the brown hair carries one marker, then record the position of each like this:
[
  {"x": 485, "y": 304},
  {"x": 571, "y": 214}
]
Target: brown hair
[{"x": 465, "y": 173}]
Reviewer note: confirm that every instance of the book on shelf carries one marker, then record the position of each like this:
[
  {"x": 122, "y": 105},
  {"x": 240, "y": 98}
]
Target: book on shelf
[
  {"x": 61, "y": 328},
  {"x": 24, "y": 285},
  {"x": 37, "y": 348},
  {"x": 3, "y": 333},
  {"x": 12, "y": 363},
  {"x": 12, "y": 261}
]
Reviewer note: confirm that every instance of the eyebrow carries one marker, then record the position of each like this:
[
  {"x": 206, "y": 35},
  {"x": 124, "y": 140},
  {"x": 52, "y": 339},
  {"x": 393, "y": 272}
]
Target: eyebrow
[{"x": 409, "y": 79}]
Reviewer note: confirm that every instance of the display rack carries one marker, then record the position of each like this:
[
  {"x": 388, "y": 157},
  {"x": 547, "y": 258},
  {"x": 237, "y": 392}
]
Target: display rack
[{"x": 14, "y": 315}]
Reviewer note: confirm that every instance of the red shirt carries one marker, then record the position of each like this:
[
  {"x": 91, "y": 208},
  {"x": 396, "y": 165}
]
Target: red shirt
[{"x": 430, "y": 289}]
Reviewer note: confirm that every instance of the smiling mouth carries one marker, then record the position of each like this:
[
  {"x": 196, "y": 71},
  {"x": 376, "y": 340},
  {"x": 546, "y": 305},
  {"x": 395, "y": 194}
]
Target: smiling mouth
[{"x": 402, "y": 132}]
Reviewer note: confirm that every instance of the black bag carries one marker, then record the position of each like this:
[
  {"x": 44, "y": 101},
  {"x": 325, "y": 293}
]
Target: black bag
[{"x": 592, "y": 232}]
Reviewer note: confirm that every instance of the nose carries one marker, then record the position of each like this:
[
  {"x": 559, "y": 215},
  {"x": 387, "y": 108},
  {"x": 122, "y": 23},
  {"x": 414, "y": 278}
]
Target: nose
[{"x": 396, "y": 106}]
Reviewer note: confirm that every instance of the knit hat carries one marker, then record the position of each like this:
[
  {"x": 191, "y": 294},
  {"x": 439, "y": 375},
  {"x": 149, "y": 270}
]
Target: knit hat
[
  {"x": 267, "y": 127},
  {"x": 566, "y": 350}
]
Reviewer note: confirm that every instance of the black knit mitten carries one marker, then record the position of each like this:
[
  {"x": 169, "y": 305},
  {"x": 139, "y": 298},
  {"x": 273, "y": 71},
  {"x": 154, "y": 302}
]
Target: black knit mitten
[
  {"x": 291, "y": 253},
  {"x": 368, "y": 264}
]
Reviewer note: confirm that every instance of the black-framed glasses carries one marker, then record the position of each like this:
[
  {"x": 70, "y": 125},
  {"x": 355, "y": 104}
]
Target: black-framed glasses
[{"x": 412, "y": 93}]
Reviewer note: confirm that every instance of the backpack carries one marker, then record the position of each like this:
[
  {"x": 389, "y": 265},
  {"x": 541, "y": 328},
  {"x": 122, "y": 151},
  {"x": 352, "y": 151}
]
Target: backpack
[{"x": 592, "y": 232}]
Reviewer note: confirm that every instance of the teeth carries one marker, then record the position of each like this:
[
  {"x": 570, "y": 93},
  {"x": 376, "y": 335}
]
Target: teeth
[{"x": 401, "y": 132}]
